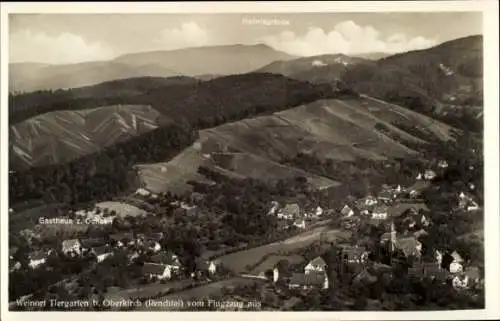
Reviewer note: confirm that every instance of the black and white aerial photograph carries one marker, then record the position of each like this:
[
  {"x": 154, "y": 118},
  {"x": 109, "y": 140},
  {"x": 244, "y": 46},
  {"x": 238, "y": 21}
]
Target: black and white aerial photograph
[{"x": 301, "y": 161}]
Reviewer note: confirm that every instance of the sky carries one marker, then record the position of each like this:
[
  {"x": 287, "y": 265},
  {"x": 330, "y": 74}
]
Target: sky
[{"x": 73, "y": 38}]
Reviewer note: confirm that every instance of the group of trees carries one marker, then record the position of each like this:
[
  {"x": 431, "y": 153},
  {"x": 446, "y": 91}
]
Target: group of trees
[
  {"x": 101, "y": 175},
  {"x": 416, "y": 80}
]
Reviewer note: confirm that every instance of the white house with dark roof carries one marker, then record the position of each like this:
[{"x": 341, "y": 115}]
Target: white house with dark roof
[
  {"x": 457, "y": 257},
  {"x": 153, "y": 246},
  {"x": 456, "y": 267},
  {"x": 142, "y": 192},
  {"x": 442, "y": 164},
  {"x": 316, "y": 265},
  {"x": 169, "y": 259},
  {"x": 207, "y": 266},
  {"x": 460, "y": 281},
  {"x": 274, "y": 208},
  {"x": 102, "y": 252},
  {"x": 37, "y": 259},
  {"x": 410, "y": 246},
  {"x": 14, "y": 265},
  {"x": 347, "y": 211},
  {"x": 380, "y": 212},
  {"x": 370, "y": 200},
  {"x": 472, "y": 206},
  {"x": 386, "y": 196},
  {"x": 354, "y": 254},
  {"x": 429, "y": 174},
  {"x": 300, "y": 223},
  {"x": 71, "y": 247},
  {"x": 289, "y": 212},
  {"x": 157, "y": 270}
]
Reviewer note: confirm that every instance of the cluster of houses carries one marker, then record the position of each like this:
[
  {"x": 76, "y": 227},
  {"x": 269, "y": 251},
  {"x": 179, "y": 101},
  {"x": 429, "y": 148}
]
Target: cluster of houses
[
  {"x": 315, "y": 273},
  {"x": 146, "y": 193},
  {"x": 159, "y": 263},
  {"x": 445, "y": 267},
  {"x": 292, "y": 215},
  {"x": 393, "y": 206},
  {"x": 389, "y": 203}
]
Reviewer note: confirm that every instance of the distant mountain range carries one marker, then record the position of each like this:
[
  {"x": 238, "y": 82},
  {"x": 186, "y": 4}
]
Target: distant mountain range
[
  {"x": 204, "y": 62},
  {"x": 445, "y": 81},
  {"x": 316, "y": 69},
  {"x": 448, "y": 74}
]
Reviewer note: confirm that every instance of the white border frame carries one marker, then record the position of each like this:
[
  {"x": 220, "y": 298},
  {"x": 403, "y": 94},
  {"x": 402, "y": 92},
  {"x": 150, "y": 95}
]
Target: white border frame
[{"x": 489, "y": 8}]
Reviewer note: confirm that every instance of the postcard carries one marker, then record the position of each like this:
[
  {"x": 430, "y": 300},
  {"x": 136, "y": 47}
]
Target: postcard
[{"x": 295, "y": 160}]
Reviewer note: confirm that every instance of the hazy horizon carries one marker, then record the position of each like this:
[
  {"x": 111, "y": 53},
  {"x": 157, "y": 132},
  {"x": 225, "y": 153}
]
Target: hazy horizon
[{"x": 78, "y": 38}]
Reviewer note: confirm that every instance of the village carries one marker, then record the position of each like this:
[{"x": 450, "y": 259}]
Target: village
[{"x": 398, "y": 212}]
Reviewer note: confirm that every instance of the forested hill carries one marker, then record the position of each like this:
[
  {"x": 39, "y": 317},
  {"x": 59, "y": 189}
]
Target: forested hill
[
  {"x": 179, "y": 97},
  {"x": 445, "y": 81},
  {"x": 102, "y": 175}
]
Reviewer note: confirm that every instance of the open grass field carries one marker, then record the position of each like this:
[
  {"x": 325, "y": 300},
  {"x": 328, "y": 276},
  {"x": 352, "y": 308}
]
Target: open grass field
[
  {"x": 239, "y": 260},
  {"x": 121, "y": 208}
]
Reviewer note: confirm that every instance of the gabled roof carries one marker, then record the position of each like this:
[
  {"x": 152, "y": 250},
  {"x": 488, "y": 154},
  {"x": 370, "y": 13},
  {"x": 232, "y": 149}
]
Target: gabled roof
[
  {"x": 407, "y": 244},
  {"x": 318, "y": 261},
  {"x": 66, "y": 244},
  {"x": 346, "y": 209},
  {"x": 386, "y": 237},
  {"x": 155, "y": 236},
  {"x": 385, "y": 194},
  {"x": 365, "y": 277},
  {"x": 457, "y": 257},
  {"x": 353, "y": 251},
  {"x": 420, "y": 232},
  {"x": 419, "y": 186},
  {"x": 154, "y": 268},
  {"x": 291, "y": 209}
]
